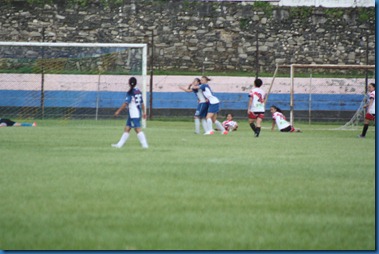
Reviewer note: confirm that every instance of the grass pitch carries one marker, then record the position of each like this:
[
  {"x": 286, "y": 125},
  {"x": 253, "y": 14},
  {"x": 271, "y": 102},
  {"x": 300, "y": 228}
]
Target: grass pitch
[{"x": 63, "y": 187}]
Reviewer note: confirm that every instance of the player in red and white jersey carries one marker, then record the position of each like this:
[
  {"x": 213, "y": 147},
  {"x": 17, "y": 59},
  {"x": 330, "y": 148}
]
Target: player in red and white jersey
[
  {"x": 256, "y": 107},
  {"x": 370, "y": 115},
  {"x": 229, "y": 124},
  {"x": 279, "y": 120}
]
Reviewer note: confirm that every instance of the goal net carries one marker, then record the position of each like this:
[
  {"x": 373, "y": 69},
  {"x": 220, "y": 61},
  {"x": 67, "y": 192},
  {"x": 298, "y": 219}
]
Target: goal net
[
  {"x": 326, "y": 92},
  {"x": 68, "y": 80}
]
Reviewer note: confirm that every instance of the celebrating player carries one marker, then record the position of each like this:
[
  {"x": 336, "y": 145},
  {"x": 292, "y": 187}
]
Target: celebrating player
[
  {"x": 280, "y": 120},
  {"x": 256, "y": 107},
  {"x": 370, "y": 115},
  {"x": 136, "y": 109},
  {"x": 4, "y": 122},
  {"x": 202, "y": 106},
  {"x": 229, "y": 124},
  {"x": 213, "y": 109}
]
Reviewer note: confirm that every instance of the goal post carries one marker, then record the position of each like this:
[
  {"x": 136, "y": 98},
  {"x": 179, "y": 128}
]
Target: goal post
[
  {"x": 68, "y": 80},
  {"x": 294, "y": 67}
]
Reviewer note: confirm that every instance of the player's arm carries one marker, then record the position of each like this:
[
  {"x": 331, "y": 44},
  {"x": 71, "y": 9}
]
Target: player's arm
[
  {"x": 250, "y": 102},
  {"x": 273, "y": 125},
  {"x": 186, "y": 89},
  {"x": 123, "y": 106},
  {"x": 143, "y": 110}
]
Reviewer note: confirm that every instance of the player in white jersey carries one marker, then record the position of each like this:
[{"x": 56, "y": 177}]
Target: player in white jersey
[
  {"x": 370, "y": 114},
  {"x": 213, "y": 109},
  {"x": 279, "y": 120},
  {"x": 202, "y": 106},
  {"x": 229, "y": 124},
  {"x": 256, "y": 107},
  {"x": 136, "y": 109}
]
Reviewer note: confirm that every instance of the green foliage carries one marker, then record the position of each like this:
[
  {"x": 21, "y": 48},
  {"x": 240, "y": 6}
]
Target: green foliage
[
  {"x": 64, "y": 187},
  {"x": 366, "y": 14},
  {"x": 302, "y": 13},
  {"x": 244, "y": 23},
  {"x": 334, "y": 13},
  {"x": 266, "y": 7}
]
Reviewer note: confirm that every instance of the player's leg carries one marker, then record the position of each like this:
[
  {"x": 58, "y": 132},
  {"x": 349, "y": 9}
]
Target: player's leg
[
  {"x": 141, "y": 137},
  {"x": 26, "y": 124},
  {"x": 210, "y": 130},
  {"x": 258, "y": 126},
  {"x": 204, "y": 124},
  {"x": 197, "y": 119},
  {"x": 197, "y": 125},
  {"x": 368, "y": 118},
  {"x": 252, "y": 118},
  {"x": 219, "y": 125},
  {"x": 125, "y": 135},
  {"x": 203, "y": 110}
]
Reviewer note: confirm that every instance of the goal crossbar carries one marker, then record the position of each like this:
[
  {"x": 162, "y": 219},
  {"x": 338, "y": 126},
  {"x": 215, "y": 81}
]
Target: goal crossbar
[{"x": 314, "y": 66}]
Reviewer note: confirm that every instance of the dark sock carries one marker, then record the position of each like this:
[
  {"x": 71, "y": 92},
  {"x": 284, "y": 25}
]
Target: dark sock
[
  {"x": 365, "y": 128},
  {"x": 252, "y": 125},
  {"x": 258, "y": 130}
]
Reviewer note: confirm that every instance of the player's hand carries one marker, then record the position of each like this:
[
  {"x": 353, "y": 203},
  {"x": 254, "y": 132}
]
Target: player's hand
[{"x": 116, "y": 114}]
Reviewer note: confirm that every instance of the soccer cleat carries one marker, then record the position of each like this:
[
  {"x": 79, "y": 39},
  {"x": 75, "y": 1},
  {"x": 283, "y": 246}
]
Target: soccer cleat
[
  {"x": 34, "y": 124},
  {"x": 225, "y": 133},
  {"x": 209, "y": 133},
  {"x": 256, "y": 134},
  {"x": 360, "y": 136},
  {"x": 116, "y": 146}
]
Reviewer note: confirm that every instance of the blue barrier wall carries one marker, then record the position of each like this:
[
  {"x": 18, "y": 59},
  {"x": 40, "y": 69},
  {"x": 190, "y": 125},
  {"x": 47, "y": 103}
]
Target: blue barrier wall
[{"x": 175, "y": 100}]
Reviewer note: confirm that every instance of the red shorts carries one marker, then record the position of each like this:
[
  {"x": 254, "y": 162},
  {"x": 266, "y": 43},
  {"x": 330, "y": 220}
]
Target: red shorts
[
  {"x": 255, "y": 115},
  {"x": 370, "y": 117}
]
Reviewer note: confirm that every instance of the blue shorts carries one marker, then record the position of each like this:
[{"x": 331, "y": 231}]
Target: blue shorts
[
  {"x": 214, "y": 108},
  {"x": 133, "y": 122},
  {"x": 202, "y": 110}
]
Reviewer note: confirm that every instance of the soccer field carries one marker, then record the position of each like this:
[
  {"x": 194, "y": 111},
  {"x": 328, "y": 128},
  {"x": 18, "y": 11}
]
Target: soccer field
[{"x": 63, "y": 187}]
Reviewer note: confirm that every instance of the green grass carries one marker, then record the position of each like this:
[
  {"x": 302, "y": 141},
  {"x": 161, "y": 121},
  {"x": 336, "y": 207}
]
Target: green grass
[{"x": 63, "y": 187}]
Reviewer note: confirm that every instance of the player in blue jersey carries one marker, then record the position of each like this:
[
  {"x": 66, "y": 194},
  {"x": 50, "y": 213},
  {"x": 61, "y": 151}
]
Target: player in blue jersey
[
  {"x": 136, "y": 109},
  {"x": 202, "y": 106},
  {"x": 4, "y": 122},
  {"x": 214, "y": 107}
]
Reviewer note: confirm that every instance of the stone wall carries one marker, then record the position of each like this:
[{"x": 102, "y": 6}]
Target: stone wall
[{"x": 204, "y": 36}]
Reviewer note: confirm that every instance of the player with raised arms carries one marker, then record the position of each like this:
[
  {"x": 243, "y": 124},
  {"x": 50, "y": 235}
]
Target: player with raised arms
[{"x": 136, "y": 109}]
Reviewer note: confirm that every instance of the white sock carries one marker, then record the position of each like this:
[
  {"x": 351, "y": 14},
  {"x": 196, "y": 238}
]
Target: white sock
[
  {"x": 219, "y": 126},
  {"x": 197, "y": 125},
  {"x": 123, "y": 139},
  {"x": 142, "y": 139},
  {"x": 204, "y": 123},
  {"x": 209, "y": 124}
]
